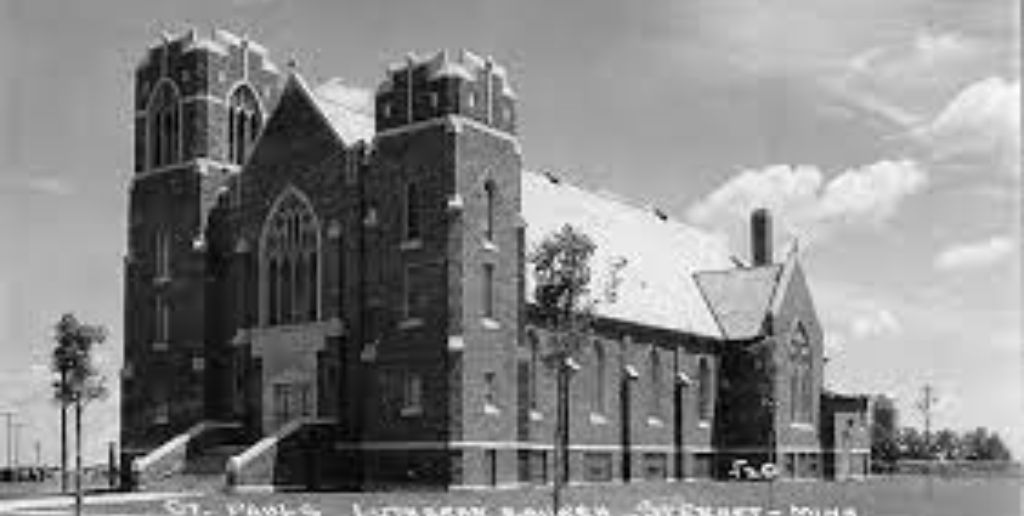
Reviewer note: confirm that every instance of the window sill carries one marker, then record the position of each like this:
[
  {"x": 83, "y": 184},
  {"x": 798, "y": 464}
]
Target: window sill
[
  {"x": 536, "y": 415},
  {"x": 704, "y": 424},
  {"x": 411, "y": 244},
  {"x": 489, "y": 245},
  {"x": 410, "y": 323},
  {"x": 489, "y": 323},
  {"x": 161, "y": 345},
  {"x": 491, "y": 410},
  {"x": 414, "y": 411},
  {"x": 162, "y": 279},
  {"x": 801, "y": 426},
  {"x": 598, "y": 419},
  {"x": 655, "y": 421}
]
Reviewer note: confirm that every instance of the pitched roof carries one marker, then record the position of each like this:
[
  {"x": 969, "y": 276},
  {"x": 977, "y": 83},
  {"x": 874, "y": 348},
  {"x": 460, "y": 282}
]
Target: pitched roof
[
  {"x": 740, "y": 298},
  {"x": 347, "y": 110},
  {"x": 655, "y": 257}
]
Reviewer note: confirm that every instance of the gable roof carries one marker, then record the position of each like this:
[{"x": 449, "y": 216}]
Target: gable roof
[
  {"x": 344, "y": 108},
  {"x": 741, "y": 298},
  {"x": 655, "y": 257}
]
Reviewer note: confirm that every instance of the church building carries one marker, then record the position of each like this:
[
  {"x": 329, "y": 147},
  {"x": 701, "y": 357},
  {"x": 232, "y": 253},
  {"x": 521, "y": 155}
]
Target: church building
[{"x": 325, "y": 293}]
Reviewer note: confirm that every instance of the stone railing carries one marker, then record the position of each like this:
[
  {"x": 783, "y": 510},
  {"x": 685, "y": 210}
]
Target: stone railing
[
  {"x": 171, "y": 457},
  {"x": 286, "y": 459}
]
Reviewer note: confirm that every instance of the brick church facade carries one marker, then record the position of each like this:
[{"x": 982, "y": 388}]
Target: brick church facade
[{"x": 330, "y": 294}]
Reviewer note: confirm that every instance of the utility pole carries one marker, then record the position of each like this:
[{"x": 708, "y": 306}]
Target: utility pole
[
  {"x": 17, "y": 443},
  {"x": 928, "y": 400},
  {"x": 10, "y": 424}
]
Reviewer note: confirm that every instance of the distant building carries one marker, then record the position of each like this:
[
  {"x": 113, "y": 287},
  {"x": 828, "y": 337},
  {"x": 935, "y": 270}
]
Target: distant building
[{"x": 336, "y": 296}]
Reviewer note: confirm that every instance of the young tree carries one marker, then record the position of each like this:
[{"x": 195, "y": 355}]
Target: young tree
[
  {"x": 884, "y": 433},
  {"x": 79, "y": 381},
  {"x": 561, "y": 268}
]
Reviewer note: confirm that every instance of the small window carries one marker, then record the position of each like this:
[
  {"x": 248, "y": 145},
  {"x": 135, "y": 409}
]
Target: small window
[
  {"x": 408, "y": 292},
  {"x": 488, "y": 290},
  {"x": 162, "y": 255},
  {"x": 161, "y": 413},
  {"x": 490, "y": 390},
  {"x": 490, "y": 195},
  {"x": 412, "y": 394},
  {"x": 198, "y": 364},
  {"x": 471, "y": 100},
  {"x": 162, "y": 332},
  {"x": 411, "y": 212}
]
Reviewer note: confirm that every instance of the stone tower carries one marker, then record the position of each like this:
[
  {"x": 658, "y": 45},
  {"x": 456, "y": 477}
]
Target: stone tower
[
  {"x": 200, "y": 103},
  {"x": 445, "y": 301}
]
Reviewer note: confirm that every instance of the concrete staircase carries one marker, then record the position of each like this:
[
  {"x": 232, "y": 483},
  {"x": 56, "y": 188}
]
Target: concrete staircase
[{"x": 193, "y": 461}]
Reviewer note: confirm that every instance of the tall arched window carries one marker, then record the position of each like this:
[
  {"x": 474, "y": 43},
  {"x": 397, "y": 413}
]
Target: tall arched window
[
  {"x": 656, "y": 382},
  {"x": 244, "y": 123},
  {"x": 534, "y": 377},
  {"x": 801, "y": 377},
  {"x": 600, "y": 377},
  {"x": 291, "y": 261},
  {"x": 704, "y": 390},
  {"x": 164, "y": 126}
]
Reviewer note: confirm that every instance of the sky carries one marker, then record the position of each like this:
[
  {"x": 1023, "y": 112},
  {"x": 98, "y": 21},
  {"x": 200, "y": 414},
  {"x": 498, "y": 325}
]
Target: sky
[{"x": 883, "y": 134}]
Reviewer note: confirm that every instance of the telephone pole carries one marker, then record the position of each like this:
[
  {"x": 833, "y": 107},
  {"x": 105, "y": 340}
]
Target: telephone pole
[
  {"x": 928, "y": 400},
  {"x": 10, "y": 424}
]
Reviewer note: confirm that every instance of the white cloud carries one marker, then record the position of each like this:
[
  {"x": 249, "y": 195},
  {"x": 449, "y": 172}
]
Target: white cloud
[
  {"x": 980, "y": 125},
  {"x": 896, "y": 83},
  {"x": 874, "y": 322},
  {"x": 807, "y": 205},
  {"x": 974, "y": 255},
  {"x": 49, "y": 185}
]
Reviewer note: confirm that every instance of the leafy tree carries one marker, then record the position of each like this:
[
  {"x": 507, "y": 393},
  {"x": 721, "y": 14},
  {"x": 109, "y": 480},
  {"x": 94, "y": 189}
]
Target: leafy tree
[
  {"x": 946, "y": 444},
  {"x": 912, "y": 444},
  {"x": 561, "y": 267},
  {"x": 79, "y": 380},
  {"x": 885, "y": 449},
  {"x": 980, "y": 444}
]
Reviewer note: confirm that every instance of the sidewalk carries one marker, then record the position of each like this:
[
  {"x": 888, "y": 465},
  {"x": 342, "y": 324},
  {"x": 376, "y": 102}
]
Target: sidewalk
[{"x": 50, "y": 504}]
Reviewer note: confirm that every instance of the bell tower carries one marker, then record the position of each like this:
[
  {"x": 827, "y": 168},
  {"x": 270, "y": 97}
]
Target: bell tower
[
  {"x": 446, "y": 183},
  {"x": 200, "y": 102}
]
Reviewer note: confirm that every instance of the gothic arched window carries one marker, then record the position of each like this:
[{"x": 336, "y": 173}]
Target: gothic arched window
[
  {"x": 291, "y": 261},
  {"x": 244, "y": 123},
  {"x": 801, "y": 387},
  {"x": 164, "y": 126}
]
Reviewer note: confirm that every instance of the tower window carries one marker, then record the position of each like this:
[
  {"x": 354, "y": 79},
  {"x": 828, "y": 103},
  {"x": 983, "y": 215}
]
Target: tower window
[
  {"x": 162, "y": 256},
  {"x": 164, "y": 126},
  {"x": 291, "y": 257},
  {"x": 488, "y": 290},
  {"x": 490, "y": 390},
  {"x": 244, "y": 124},
  {"x": 162, "y": 327},
  {"x": 412, "y": 394},
  {"x": 411, "y": 214},
  {"x": 490, "y": 197}
]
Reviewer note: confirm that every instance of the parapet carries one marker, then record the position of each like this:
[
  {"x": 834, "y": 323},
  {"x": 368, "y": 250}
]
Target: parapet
[{"x": 465, "y": 84}]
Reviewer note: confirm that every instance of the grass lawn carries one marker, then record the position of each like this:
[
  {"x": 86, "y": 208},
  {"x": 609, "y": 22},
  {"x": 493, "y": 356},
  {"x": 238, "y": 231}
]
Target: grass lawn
[{"x": 882, "y": 496}]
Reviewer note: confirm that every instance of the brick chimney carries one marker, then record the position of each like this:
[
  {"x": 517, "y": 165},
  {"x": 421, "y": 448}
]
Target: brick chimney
[{"x": 761, "y": 237}]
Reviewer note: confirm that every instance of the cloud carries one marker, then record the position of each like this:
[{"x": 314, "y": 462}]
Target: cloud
[
  {"x": 981, "y": 124},
  {"x": 49, "y": 185},
  {"x": 896, "y": 83},
  {"x": 875, "y": 322},
  {"x": 807, "y": 205},
  {"x": 974, "y": 255}
]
